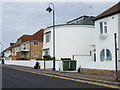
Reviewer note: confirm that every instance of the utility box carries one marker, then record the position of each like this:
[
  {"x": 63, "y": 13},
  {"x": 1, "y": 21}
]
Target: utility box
[
  {"x": 69, "y": 65},
  {"x": 65, "y": 65},
  {"x": 72, "y": 65}
]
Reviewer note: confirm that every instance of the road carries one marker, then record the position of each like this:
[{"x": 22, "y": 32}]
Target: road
[{"x": 12, "y": 78}]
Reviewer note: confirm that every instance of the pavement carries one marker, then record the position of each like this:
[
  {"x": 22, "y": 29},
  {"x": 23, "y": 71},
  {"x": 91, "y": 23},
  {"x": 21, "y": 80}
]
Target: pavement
[{"x": 73, "y": 74}]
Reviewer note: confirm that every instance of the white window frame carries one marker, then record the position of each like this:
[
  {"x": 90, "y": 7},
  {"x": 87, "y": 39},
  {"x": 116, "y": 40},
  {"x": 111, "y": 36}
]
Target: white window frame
[
  {"x": 46, "y": 50},
  {"x": 102, "y": 28},
  {"x": 105, "y": 55},
  {"x": 47, "y": 36}
]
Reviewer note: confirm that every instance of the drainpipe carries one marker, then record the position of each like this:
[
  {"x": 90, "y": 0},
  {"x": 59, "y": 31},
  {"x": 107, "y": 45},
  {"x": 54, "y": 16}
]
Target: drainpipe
[{"x": 116, "y": 71}]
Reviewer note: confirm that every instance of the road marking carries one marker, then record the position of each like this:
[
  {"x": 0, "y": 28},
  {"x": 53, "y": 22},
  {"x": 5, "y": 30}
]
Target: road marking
[{"x": 67, "y": 78}]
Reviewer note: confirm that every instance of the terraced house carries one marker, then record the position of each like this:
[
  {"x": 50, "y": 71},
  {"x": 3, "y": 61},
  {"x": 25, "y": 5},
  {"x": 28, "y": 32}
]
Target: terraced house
[{"x": 26, "y": 47}]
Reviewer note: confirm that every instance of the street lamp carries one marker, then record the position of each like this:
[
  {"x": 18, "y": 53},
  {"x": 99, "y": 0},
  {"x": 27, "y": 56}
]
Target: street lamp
[{"x": 49, "y": 9}]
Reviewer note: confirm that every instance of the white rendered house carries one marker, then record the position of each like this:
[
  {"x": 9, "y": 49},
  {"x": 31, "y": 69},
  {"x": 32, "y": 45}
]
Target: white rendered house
[
  {"x": 73, "y": 38},
  {"x": 106, "y": 24},
  {"x": 7, "y": 54}
]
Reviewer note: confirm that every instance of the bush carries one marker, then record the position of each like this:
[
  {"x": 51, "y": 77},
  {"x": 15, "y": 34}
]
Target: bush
[
  {"x": 47, "y": 57},
  {"x": 22, "y": 59},
  {"x": 39, "y": 59}
]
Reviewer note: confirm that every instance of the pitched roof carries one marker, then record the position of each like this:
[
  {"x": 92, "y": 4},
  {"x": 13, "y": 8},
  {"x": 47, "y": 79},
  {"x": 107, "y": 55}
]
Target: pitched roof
[
  {"x": 23, "y": 37},
  {"x": 83, "y": 20},
  {"x": 111, "y": 11},
  {"x": 36, "y": 36}
]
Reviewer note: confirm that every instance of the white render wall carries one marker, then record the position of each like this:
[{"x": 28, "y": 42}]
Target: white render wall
[
  {"x": 109, "y": 42},
  {"x": 87, "y": 62},
  {"x": 48, "y": 64},
  {"x": 71, "y": 40}
]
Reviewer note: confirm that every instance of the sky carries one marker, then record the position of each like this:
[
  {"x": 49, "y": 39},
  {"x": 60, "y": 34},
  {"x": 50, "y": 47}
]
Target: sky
[{"x": 19, "y": 18}]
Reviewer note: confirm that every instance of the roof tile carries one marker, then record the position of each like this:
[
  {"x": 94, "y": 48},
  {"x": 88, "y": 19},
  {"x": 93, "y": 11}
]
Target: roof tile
[
  {"x": 111, "y": 11},
  {"x": 37, "y": 36}
]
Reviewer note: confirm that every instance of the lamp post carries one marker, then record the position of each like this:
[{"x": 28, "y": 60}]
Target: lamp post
[
  {"x": 1, "y": 44},
  {"x": 49, "y": 9},
  {"x": 1, "y": 54},
  {"x": 116, "y": 70}
]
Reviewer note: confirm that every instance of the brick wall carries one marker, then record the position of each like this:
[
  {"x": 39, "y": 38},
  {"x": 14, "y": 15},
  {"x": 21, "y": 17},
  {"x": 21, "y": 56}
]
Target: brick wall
[{"x": 35, "y": 49}]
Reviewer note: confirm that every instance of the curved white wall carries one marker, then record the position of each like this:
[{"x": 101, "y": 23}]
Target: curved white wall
[{"x": 71, "y": 40}]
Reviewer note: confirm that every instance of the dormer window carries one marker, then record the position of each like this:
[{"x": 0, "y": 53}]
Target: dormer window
[{"x": 103, "y": 27}]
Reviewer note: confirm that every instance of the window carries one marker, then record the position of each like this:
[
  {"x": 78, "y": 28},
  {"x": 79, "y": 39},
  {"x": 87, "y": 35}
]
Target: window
[
  {"x": 108, "y": 55},
  {"x": 105, "y": 54},
  {"x": 102, "y": 55},
  {"x": 19, "y": 47},
  {"x": 24, "y": 46},
  {"x": 22, "y": 54},
  {"x": 35, "y": 43},
  {"x": 35, "y": 54},
  {"x": 77, "y": 22},
  {"x": 46, "y": 52},
  {"x": 47, "y": 37},
  {"x": 28, "y": 54},
  {"x": 94, "y": 57},
  {"x": 103, "y": 27}
]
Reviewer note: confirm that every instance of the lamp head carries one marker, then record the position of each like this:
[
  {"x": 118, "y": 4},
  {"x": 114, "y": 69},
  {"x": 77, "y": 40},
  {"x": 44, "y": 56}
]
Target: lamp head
[{"x": 49, "y": 9}]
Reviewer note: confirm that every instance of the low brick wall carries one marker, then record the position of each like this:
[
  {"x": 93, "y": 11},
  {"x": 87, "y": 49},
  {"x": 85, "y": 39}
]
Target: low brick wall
[{"x": 99, "y": 71}]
